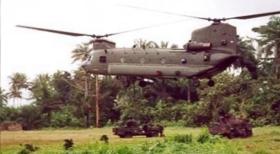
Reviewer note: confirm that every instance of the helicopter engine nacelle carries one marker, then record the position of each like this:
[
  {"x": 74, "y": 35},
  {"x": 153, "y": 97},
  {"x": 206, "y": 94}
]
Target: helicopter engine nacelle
[
  {"x": 197, "y": 46},
  {"x": 103, "y": 44}
]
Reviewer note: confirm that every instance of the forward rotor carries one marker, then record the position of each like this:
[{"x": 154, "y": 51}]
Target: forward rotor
[
  {"x": 94, "y": 36},
  {"x": 66, "y": 32}
]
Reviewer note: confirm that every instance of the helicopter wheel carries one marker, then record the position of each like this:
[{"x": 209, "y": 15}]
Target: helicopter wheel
[
  {"x": 142, "y": 83},
  {"x": 211, "y": 83}
]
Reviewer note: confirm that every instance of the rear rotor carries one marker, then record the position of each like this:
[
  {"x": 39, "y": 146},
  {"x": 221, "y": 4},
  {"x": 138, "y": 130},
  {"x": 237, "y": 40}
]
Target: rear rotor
[{"x": 215, "y": 20}]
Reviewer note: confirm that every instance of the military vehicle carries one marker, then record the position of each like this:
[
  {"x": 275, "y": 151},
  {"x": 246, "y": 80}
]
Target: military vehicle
[
  {"x": 210, "y": 51},
  {"x": 132, "y": 128},
  {"x": 231, "y": 127}
]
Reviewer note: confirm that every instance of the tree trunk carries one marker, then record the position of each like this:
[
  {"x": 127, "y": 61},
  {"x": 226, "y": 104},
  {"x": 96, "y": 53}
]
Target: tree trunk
[
  {"x": 87, "y": 119},
  {"x": 97, "y": 102},
  {"x": 49, "y": 114},
  {"x": 277, "y": 62},
  {"x": 86, "y": 106}
]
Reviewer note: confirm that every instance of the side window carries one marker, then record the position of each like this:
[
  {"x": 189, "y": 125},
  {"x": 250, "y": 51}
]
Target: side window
[
  {"x": 206, "y": 57},
  {"x": 122, "y": 60},
  {"x": 102, "y": 59},
  {"x": 183, "y": 61},
  {"x": 162, "y": 60}
]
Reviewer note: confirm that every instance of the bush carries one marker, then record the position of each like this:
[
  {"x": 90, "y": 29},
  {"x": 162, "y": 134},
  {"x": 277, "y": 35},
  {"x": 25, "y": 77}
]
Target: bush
[
  {"x": 30, "y": 117},
  {"x": 104, "y": 138},
  {"x": 183, "y": 138},
  {"x": 203, "y": 137},
  {"x": 206, "y": 137},
  {"x": 28, "y": 148},
  {"x": 65, "y": 118},
  {"x": 68, "y": 144}
]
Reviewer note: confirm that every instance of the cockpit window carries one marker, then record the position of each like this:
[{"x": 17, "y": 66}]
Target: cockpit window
[{"x": 102, "y": 59}]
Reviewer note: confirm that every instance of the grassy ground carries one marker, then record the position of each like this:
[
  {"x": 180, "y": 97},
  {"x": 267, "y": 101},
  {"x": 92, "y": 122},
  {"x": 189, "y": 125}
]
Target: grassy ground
[{"x": 265, "y": 139}]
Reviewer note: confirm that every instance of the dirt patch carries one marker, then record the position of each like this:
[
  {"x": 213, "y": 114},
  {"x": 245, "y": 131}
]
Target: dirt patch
[{"x": 10, "y": 126}]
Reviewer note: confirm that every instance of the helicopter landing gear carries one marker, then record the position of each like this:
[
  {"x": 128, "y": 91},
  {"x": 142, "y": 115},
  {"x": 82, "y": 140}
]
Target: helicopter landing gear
[
  {"x": 211, "y": 83},
  {"x": 144, "y": 82},
  {"x": 192, "y": 92}
]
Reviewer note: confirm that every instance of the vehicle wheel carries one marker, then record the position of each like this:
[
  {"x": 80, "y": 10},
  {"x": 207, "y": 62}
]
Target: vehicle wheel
[
  {"x": 211, "y": 83},
  {"x": 152, "y": 134},
  {"x": 248, "y": 132},
  {"x": 128, "y": 136},
  {"x": 122, "y": 136}
]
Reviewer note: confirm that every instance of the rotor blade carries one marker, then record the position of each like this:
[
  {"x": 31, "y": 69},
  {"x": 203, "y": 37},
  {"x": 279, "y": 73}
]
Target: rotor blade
[
  {"x": 166, "y": 12},
  {"x": 56, "y": 31},
  {"x": 141, "y": 28},
  {"x": 254, "y": 15},
  {"x": 97, "y": 36},
  {"x": 208, "y": 19}
]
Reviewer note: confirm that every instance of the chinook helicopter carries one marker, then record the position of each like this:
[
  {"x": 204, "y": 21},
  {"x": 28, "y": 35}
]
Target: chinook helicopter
[{"x": 210, "y": 51}]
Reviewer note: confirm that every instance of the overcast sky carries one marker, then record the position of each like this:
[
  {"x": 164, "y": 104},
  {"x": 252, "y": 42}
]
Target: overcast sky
[{"x": 34, "y": 52}]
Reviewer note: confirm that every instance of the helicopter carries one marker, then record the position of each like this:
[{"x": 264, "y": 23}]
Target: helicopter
[{"x": 210, "y": 51}]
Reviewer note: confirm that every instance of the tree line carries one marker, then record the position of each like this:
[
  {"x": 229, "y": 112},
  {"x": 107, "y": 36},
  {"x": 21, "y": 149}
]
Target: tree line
[{"x": 65, "y": 99}]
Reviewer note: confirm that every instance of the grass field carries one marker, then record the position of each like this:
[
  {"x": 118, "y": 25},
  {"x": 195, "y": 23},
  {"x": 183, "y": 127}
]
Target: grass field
[{"x": 265, "y": 140}]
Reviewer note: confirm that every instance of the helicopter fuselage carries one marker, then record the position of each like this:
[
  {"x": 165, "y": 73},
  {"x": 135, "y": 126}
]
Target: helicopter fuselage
[
  {"x": 159, "y": 62},
  {"x": 210, "y": 51}
]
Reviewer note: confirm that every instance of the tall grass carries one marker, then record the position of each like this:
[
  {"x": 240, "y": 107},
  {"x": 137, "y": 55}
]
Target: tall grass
[
  {"x": 178, "y": 144},
  {"x": 162, "y": 147},
  {"x": 177, "y": 140}
]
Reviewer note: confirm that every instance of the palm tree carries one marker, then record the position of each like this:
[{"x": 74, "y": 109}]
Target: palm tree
[
  {"x": 17, "y": 83},
  {"x": 174, "y": 46},
  {"x": 3, "y": 98},
  {"x": 247, "y": 51},
  {"x": 62, "y": 82},
  {"x": 164, "y": 44},
  {"x": 152, "y": 44},
  {"x": 81, "y": 53},
  {"x": 43, "y": 92},
  {"x": 41, "y": 88},
  {"x": 270, "y": 41},
  {"x": 83, "y": 92},
  {"x": 140, "y": 43}
]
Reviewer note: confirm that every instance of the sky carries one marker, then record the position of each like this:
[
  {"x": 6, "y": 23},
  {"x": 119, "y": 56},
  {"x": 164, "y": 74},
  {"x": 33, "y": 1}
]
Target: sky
[{"x": 34, "y": 52}]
